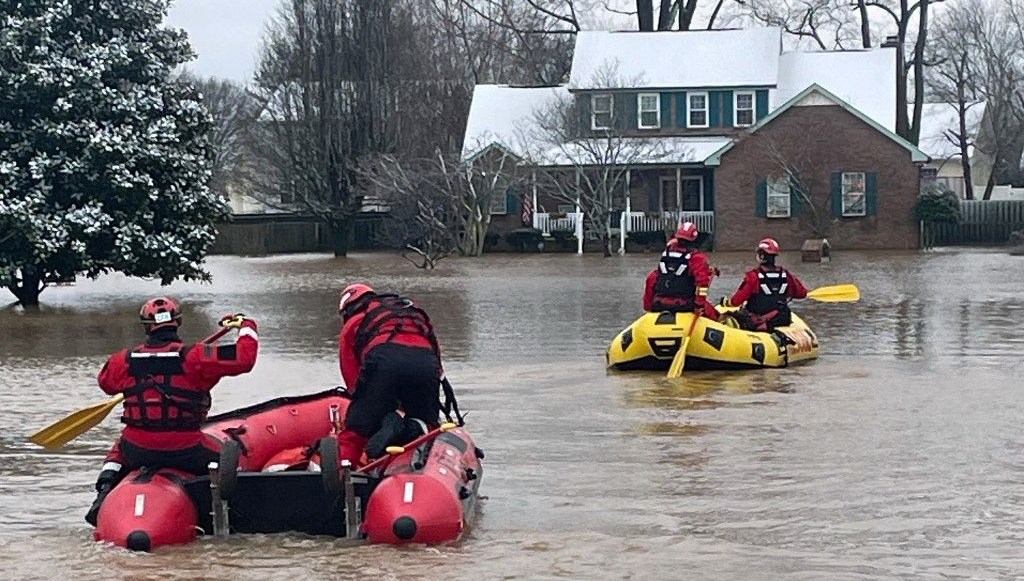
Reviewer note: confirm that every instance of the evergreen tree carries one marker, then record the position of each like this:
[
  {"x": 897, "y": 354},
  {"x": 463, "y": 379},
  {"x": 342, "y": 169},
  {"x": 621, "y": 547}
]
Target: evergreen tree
[{"x": 104, "y": 154}]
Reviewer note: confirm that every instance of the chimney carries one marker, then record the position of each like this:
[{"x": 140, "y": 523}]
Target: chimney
[{"x": 891, "y": 42}]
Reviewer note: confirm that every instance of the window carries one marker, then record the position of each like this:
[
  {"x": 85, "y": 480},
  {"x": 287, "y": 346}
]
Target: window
[
  {"x": 744, "y": 105},
  {"x": 601, "y": 113},
  {"x": 853, "y": 194},
  {"x": 779, "y": 205},
  {"x": 499, "y": 202},
  {"x": 696, "y": 109},
  {"x": 566, "y": 208},
  {"x": 649, "y": 111}
]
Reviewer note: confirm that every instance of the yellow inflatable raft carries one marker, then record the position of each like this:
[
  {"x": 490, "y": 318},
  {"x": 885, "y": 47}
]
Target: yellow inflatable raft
[{"x": 652, "y": 341}]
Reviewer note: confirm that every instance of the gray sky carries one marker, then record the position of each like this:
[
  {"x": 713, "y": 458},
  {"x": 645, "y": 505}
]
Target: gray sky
[{"x": 225, "y": 33}]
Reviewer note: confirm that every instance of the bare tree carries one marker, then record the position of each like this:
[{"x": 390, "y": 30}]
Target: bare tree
[
  {"x": 438, "y": 204},
  {"x": 585, "y": 168},
  {"x": 831, "y": 24},
  {"x": 953, "y": 81},
  {"x": 233, "y": 111},
  {"x": 796, "y": 168}
]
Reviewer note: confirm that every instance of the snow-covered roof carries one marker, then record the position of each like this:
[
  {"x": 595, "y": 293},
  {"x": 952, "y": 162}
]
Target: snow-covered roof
[
  {"x": 703, "y": 58},
  {"x": 937, "y": 119},
  {"x": 502, "y": 115},
  {"x": 638, "y": 151},
  {"x": 865, "y": 79}
]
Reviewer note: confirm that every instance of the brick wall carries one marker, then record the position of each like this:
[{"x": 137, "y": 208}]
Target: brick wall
[{"x": 819, "y": 140}]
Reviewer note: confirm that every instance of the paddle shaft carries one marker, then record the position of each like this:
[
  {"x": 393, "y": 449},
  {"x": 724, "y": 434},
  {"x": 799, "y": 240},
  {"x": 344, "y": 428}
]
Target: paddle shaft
[{"x": 679, "y": 361}]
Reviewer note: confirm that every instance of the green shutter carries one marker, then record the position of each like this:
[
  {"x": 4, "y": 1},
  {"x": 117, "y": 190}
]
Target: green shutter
[
  {"x": 714, "y": 109},
  {"x": 727, "y": 108},
  {"x": 584, "y": 103},
  {"x": 666, "y": 109},
  {"x": 761, "y": 199},
  {"x": 709, "y": 192},
  {"x": 870, "y": 193},
  {"x": 836, "y": 184},
  {"x": 796, "y": 202},
  {"x": 625, "y": 110},
  {"x": 512, "y": 201},
  {"x": 761, "y": 105},
  {"x": 681, "y": 109}
]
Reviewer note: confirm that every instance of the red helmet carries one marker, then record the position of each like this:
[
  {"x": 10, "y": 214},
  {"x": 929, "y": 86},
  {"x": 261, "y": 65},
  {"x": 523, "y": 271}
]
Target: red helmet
[
  {"x": 160, "y": 312},
  {"x": 768, "y": 246},
  {"x": 687, "y": 231},
  {"x": 352, "y": 293}
]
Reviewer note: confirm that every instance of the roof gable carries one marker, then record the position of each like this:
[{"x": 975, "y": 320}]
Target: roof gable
[
  {"x": 678, "y": 59},
  {"x": 815, "y": 94},
  {"x": 864, "y": 79}
]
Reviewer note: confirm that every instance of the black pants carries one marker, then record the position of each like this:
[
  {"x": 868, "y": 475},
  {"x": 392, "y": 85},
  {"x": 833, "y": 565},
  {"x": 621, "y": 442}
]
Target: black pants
[
  {"x": 194, "y": 459},
  {"x": 763, "y": 322},
  {"x": 395, "y": 376}
]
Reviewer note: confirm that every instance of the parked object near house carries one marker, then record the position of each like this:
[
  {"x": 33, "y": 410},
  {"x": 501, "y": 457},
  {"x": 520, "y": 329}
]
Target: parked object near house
[
  {"x": 747, "y": 138},
  {"x": 652, "y": 341}
]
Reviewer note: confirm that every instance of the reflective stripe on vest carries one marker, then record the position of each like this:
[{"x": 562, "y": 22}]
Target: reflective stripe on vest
[{"x": 398, "y": 311}]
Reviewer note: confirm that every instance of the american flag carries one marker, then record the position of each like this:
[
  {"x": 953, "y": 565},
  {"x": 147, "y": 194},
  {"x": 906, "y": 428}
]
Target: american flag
[{"x": 527, "y": 215}]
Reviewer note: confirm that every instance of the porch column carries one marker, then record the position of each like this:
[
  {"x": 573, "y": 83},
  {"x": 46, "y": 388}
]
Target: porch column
[
  {"x": 579, "y": 217},
  {"x": 533, "y": 178},
  {"x": 679, "y": 195},
  {"x": 624, "y": 220}
]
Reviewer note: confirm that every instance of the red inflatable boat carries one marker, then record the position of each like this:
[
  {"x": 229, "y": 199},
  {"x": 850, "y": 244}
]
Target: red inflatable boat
[{"x": 422, "y": 492}]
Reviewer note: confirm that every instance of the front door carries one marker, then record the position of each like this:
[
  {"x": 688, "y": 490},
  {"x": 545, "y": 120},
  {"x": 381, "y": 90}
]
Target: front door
[
  {"x": 669, "y": 195},
  {"x": 693, "y": 194}
]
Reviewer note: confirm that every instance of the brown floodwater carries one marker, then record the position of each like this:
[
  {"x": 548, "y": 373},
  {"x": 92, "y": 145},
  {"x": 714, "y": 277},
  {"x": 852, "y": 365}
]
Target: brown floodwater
[{"x": 897, "y": 454}]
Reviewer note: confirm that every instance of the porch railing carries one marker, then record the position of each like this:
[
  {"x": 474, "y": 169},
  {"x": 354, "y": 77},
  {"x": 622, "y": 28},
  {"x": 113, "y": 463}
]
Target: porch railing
[
  {"x": 544, "y": 222},
  {"x": 667, "y": 221}
]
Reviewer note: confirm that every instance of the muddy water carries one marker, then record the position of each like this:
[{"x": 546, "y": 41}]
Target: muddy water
[{"x": 896, "y": 455}]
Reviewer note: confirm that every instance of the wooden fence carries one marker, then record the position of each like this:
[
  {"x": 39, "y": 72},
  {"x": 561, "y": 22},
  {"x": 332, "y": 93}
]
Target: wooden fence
[{"x": 981, "y": 222}]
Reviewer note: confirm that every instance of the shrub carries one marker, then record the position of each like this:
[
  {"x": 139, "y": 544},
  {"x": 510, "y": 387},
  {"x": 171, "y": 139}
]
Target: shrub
[{"x": 937, "y": 204}]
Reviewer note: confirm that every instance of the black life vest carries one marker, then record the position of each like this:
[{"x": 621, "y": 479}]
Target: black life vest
[
  {"x": 771, "y": 295},
  {"x": 674, "y": 278},
  {"x": 389, "y": 316},
  {"x": 155, "y": 403}
]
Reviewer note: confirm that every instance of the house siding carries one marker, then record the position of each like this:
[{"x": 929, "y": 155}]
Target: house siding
[
  {"x": 823, "y": 140},
  {"x": 721, "y": 111}
]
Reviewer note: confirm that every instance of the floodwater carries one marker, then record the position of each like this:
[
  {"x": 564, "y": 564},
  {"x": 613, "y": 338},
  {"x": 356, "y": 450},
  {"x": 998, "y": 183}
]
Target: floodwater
[{"x": 896, "y": 455}]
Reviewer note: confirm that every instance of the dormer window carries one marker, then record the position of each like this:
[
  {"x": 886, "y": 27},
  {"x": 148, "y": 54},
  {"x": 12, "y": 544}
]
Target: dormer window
[
  {"x": 648, "y": 111},
  {"x": 697, "y": 110},
  {"x": 743, "y": 101},
  {"x": 601, "y": 111}
]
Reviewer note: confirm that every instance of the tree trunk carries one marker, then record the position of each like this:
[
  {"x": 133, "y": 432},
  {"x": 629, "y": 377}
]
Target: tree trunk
[
  {"x": 922, "y": 37},
  {"x": 991, "y": 184},
  {"x": 665, "y": 15},
  {"x": 341, "y": 236},
  {"x": 902, "y": 121},
  {"x": 865, "y": 24},
  {"x": 686, "y": 15},
  {"x": 645, "y": 15},
  {"x": 27, "y": 288},
  {"x": 714, "y": 14}
]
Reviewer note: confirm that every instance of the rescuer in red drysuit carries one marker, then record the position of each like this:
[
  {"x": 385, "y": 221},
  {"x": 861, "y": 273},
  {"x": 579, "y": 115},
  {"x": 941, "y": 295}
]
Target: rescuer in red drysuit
[
  {"x": 680, "y": 282},
  {"x": 766, "y": 290},
  {"x": 166, "y": 386},
  {"x": 389, "y": 357}
]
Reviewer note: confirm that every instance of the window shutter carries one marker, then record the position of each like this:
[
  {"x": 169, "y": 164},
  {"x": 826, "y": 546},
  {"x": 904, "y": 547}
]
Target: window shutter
[
  {"x": 714, "y": 110},
  {"x": 761, "y": 104},
  {"x": 837, "y": 193},
  {"x": 870, "y": 193},
  {"x": 727, "y": 106},
  {"x": 626, "y": 111},
  {"x": 511, "y": 201},
  {"x": 584, "y": 106},
  {"x": 666, "y": 109},
  {"x": 761, "y": 199},
  {"x": 681, "y": 109},
  {"x": 796, "y": 202}
]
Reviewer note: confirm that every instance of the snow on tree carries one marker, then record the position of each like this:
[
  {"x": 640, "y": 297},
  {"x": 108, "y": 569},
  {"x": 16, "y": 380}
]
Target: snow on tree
[{"x": 104, "y": 155}]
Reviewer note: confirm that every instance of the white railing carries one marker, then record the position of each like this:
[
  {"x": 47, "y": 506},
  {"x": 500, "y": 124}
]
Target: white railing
[
  {"x": 546, "y": 224},
  {"x": 667, "y": 221}
]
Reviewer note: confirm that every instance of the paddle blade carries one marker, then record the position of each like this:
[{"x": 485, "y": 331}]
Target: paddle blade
[
  {"x": 679, "y": 361},
  {"x": 839, "y": 293},
  {"x": 74, "y": 425}
]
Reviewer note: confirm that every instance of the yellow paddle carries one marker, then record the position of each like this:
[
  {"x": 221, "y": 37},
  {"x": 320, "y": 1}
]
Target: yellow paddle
[
  {"x": 679, "y": 361},
  {"x": 838, "y": 293},
  {"x": 66, "y": 429}
]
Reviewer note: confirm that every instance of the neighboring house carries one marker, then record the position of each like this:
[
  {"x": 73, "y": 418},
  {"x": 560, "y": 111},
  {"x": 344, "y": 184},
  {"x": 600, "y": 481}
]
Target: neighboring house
[
  {"x": 701, "y": 100},
  {"x": 940, "y": 123}
]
